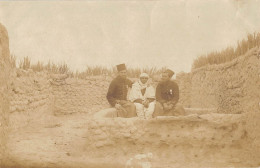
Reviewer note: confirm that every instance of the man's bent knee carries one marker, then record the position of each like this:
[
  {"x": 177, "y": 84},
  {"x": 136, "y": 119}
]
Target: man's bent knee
[{"x": 179, "y": 110}]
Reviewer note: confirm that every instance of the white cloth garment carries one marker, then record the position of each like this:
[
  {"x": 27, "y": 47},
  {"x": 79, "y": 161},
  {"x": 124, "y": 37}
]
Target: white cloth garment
[
  {"x": 136, "y": 93},
  {"x": 145, "y": 113}
]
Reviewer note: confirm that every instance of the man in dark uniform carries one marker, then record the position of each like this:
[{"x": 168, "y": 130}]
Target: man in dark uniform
[
  {"x": 117, "y": 93},
  {"x": 167, "y": 96}
]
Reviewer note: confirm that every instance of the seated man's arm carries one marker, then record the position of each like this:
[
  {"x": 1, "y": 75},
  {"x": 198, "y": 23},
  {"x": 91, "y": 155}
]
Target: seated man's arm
[
  {"x": 150, "y": 94},
  {"x": 129, "y": 83},
  {"x": 176, "y": 93},
  {"x": 138, "y": 101},
  {"x": 158, "y": 94},
  {"x": 150, "y": 99},
  {"x": 175, "y": 99},
  {"x": 111, "y": 94}
]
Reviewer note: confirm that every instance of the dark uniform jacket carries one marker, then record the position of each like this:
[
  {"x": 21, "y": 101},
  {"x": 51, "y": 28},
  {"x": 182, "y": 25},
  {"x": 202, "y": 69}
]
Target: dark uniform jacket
[
  {"x": 167, "y": 91},
  {"x": 118, "y": 89}
]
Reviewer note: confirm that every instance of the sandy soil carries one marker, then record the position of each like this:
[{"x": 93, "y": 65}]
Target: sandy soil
[{"x": 64, "y": 141}]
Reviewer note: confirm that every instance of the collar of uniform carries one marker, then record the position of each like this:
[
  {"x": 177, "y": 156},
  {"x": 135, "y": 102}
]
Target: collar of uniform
[
  {"x": 165, "y": 82},
  {"x": 119, "y": 78}
]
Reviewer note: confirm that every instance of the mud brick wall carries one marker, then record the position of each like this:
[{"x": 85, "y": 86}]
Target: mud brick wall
[
  {"x": 231, "y": 87},
  {"x": 184, "y": 82},
  {"x": 5, "y": 70},
  {"x": 252, "y": 120},
  {"x": 234, "y": 88},
  {"x": 30, "y": 92},
  {"x": 80, "y": 96}
]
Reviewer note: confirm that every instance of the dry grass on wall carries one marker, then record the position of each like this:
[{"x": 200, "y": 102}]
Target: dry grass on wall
[
  {"x": 228, "y": 54},
  {"x": 97, "y": 70}
]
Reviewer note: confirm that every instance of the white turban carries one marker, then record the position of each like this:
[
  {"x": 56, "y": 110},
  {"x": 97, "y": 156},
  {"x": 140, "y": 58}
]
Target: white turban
[{"x": 144, "y": 75}]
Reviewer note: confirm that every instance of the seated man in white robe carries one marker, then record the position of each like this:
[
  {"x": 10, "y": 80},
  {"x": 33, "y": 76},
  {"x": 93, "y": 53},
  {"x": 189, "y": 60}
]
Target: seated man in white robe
[{"x": 142, "y": 95}]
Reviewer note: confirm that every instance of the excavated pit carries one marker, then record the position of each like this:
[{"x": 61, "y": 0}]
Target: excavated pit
[{"x": 49, "y": 120}]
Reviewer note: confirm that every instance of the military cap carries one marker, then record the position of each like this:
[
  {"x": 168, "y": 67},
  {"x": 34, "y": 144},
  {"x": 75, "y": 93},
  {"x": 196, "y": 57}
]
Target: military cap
[
  {"x": 121, "y": 67},
  {"x": 170, "y": 72}
]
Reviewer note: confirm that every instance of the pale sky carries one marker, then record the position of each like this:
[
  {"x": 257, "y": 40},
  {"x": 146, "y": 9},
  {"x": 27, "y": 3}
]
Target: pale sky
[{"x": 138, "y": 33}]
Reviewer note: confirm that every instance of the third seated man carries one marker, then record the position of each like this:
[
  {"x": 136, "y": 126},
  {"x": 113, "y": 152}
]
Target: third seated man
[{"x": 167, "y": 96}]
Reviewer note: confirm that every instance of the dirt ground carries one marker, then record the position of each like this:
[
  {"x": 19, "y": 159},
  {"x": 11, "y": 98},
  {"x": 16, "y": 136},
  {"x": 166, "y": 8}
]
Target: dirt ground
[{"x": 64, "y": 141}]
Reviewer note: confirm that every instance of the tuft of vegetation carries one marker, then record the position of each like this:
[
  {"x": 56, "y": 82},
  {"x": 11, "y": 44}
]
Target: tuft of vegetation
[
  {"x": 13, "y": 61},
  {"x": 25, "y": 63},
  {"x": 228, "y": 54},
  {"x": 63, "y": 68}
]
